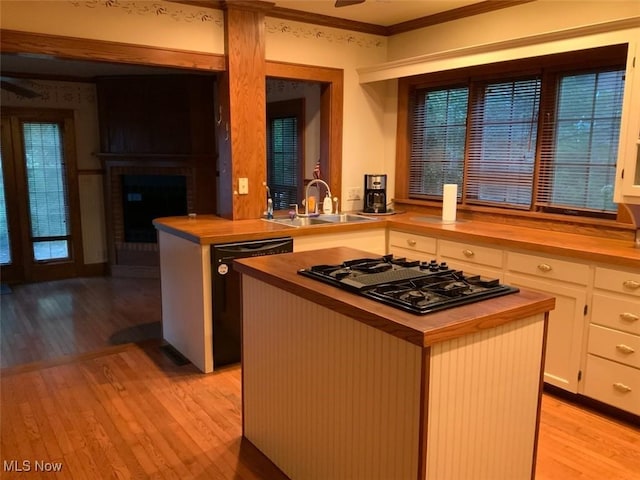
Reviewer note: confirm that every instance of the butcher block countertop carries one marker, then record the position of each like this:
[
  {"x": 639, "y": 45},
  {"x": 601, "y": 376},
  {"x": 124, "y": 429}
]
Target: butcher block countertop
[
  {"x": 423, "y": 330},
  {"x": 209, "y": 229}
]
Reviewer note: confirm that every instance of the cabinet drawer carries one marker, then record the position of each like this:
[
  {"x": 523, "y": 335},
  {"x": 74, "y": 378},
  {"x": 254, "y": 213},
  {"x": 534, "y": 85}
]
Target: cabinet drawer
[
  {"x": 614, "y": 345},
  {"x": 471, "y": 253},
  {"x": 613, "y": 384},
  {"x": 618, "y": 281},
  {"x": 412, "y": 242},
  {"x": 551, "y": 268},
  {"x": 617, "y": 312}
]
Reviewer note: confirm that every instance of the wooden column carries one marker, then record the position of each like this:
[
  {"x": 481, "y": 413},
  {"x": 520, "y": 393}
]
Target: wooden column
[{"x": 242, "y": 100}]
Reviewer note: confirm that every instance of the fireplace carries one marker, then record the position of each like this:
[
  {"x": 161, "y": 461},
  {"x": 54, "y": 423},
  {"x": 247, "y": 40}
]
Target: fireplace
[
  {"x": 136, "y": 194},
  {"x": 145, "y": 197}
]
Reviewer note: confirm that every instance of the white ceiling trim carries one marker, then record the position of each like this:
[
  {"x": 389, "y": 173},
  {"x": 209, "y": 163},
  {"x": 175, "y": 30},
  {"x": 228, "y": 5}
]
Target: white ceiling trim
[{"x": 606, "y": 33}]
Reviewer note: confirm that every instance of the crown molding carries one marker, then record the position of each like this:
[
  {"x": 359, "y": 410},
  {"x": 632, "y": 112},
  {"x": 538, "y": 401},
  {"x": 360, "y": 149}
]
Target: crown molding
[
  {"x": 416, "y": 65},
  {"x": 454, "y": 14}
]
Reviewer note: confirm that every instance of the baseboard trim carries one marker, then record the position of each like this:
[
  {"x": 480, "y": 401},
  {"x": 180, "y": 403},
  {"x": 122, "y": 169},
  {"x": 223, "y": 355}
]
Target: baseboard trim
[{"x": 594, "y": 405}]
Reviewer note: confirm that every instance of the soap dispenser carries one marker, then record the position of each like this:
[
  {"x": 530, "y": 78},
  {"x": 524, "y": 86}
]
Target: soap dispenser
[{"x": 326, "y": 204}]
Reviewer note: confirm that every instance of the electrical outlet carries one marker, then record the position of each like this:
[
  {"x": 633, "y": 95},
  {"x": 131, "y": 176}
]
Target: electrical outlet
[
  {"x": 243, "y": 186},
  {"x": 354, "y": 193}
]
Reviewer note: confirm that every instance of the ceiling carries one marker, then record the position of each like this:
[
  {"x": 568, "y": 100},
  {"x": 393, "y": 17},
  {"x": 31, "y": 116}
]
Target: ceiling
[
  {"x": 377, "y": 12},
  {"x": 382, "y": 13}
]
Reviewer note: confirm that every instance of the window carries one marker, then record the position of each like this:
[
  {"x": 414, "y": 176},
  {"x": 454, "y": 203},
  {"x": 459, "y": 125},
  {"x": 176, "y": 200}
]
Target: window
[
  {"x": 437, "y": 147},
  {"x": 538, "y": 135},
  {"x": 579, "y": 161},
  {"x": 47, "y": 191},
  {"x": 285, "y": 124}
]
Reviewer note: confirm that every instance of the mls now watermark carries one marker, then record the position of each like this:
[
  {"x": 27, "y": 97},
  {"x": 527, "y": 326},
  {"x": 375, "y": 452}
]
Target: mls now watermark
[{"x": 31, "y": 466}]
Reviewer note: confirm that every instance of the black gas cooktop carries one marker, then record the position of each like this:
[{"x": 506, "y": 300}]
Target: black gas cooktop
[{"x": 415, "y": 286}]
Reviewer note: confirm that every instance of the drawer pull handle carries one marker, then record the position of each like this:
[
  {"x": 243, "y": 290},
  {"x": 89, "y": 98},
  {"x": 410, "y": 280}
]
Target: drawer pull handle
[
  {"x": 621, "y": 387},
  {"x": 624, "y": 348},
  {"x": 412, "y": 243},
  {"x": 468, "y": 253},
  {"x": 629, "y": 317},
  {"x": 632, "y": 284},
  {"x": 543, "y": 267}
]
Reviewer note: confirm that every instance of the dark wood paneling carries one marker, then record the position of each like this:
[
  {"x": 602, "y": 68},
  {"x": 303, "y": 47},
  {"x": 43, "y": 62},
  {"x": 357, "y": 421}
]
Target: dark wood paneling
[
  {"x": 156, "y": 125},
  {"x": 156, "y": 114}
]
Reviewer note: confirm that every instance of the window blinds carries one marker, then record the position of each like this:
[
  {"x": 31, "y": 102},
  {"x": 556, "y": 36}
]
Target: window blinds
[
  {"x": 580, "y": 144},
  {"x": 438, "y": 142},
  {"x": 282, "y": 165},
  {"x": 503, "y": 135}
]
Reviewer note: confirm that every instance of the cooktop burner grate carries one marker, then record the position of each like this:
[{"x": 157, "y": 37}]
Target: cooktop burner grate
[{"x": 414, "y": 286}]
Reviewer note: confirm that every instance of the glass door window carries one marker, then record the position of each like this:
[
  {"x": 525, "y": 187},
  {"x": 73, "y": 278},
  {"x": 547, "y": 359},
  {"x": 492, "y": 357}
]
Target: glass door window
[
  {"x": 5, "y": 249},
  {"x": 47, "y": 191}
]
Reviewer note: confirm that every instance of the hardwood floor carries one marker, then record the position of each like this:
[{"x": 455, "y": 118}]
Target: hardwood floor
[
  {"x": 48, "y": 320},
  {"x": 126, "y": 410}
]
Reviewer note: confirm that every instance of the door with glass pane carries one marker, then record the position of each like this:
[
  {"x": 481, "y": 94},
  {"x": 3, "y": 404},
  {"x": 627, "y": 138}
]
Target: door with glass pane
[{"x": 39, "y": 224}]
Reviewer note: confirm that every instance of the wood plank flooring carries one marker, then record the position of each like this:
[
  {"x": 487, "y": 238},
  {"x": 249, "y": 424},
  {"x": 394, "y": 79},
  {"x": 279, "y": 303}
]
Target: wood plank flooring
[
  {"x": 48, "y": 320},
  {"x": 111, "y": 410}
]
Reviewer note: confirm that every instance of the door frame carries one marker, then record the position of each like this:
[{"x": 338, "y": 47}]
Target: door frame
[{"x": 23, "y": 267}]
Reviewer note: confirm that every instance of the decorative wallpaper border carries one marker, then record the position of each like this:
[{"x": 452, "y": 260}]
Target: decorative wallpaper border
[
  {"x": 151, "y": 8},
  {"x": 52, "y": 94},
  {"x": 343, "y": 37},
  {"x": 273, "y": 26}
]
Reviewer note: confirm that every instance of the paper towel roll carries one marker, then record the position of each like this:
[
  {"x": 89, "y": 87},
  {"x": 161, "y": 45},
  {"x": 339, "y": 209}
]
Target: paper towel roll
[{"x": 449, "y": 202}]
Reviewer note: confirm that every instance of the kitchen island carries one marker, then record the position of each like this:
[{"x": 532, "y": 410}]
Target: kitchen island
[{"x": 339, "y": 386}]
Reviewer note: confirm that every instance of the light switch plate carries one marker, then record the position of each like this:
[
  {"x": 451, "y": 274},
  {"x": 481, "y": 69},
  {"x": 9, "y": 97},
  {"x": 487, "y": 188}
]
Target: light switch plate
[{"x": 243, "y": 186}]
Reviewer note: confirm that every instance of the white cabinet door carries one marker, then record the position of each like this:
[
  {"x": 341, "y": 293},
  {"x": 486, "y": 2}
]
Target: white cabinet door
[
  {"x": 627, "y": 187},
  {"x": 565, "y": 332}
]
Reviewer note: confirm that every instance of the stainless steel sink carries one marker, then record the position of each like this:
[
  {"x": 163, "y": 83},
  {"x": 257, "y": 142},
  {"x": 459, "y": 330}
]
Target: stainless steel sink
[
  {"x": 344, "y": 218},
  {"x": 322, "y": 219},
  {"x": 299, "y": 221}
]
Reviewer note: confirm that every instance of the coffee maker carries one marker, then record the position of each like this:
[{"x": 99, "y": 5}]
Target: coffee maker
[{"x": 375, "y": 193}]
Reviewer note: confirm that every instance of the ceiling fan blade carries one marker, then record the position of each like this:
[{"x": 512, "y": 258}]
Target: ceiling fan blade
[
  {"x": 346, "y": 3},
  {"x": 12, "y": 87}
]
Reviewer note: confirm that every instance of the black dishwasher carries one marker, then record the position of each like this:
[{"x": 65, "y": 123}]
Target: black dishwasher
[{"x": 227, "y": 296}]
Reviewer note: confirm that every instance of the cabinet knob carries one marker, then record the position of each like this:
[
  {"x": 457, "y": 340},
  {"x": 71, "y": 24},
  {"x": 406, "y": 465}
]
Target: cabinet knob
[
  {"x": 624, "y": 348},
  {"x": 468, "y": 253},
  {"x": 629, "y": 317},
  {"x": 632, "y": 284},
  {"x": 412, "y": 243},
  {"x": 621, "y": 387},
  {"x": 543, "y": 267}
]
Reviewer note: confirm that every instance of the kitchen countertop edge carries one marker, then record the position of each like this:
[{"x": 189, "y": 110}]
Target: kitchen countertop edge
[
  {"x": 280, "y": 271},
  {"x": 209, "y": 229}
]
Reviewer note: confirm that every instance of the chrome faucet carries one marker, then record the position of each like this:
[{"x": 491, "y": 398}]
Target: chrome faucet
[{"x": 306, "y": 196}]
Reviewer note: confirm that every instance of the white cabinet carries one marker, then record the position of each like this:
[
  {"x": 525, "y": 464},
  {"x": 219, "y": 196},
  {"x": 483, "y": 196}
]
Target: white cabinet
[
  {"x": 412, "y": 246},
  {"x": 568, "y": 282},
  {"x": 471, "y": 258},
  {"x": 613, "y": 359},
  {"x": 627, "y": 188}
]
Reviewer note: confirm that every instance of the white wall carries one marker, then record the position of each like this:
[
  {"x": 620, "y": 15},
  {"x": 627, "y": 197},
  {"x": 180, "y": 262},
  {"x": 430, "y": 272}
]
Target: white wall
[{"x": 81, "y": 98}]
